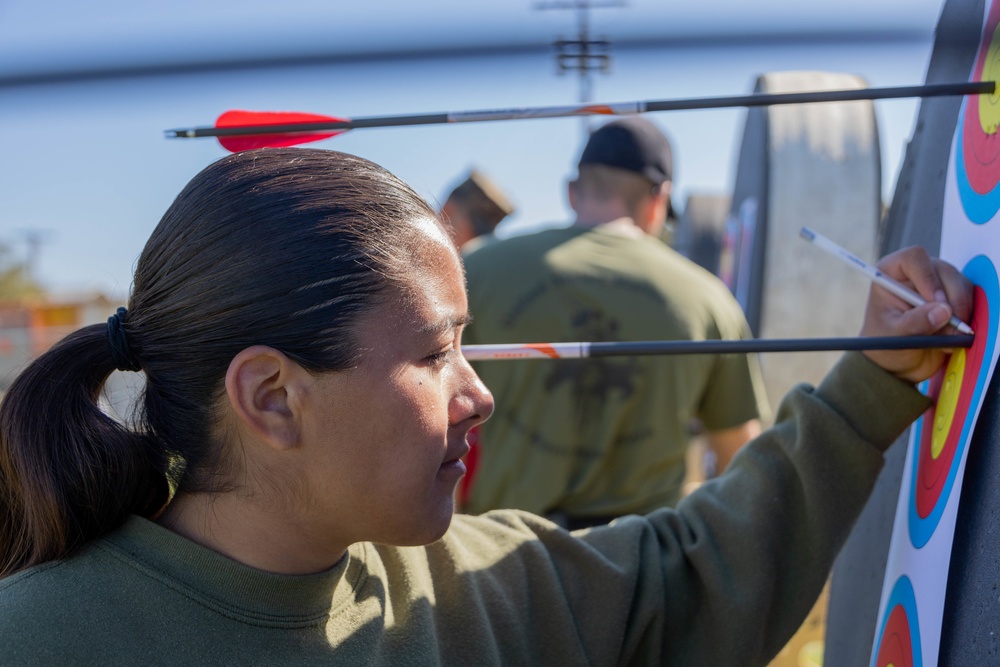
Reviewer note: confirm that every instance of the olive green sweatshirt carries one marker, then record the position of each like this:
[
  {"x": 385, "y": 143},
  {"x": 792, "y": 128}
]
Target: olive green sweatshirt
[{"x": 724, "y": 579}]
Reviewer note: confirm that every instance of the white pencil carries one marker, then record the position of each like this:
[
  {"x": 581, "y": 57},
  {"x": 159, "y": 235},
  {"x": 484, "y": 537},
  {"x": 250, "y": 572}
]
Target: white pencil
[{"x": 873, "y": 274}]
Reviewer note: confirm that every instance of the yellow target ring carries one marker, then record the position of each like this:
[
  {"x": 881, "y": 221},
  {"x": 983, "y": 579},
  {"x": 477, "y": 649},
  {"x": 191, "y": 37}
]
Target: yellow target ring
[
  {"x": 989, "y": 105},
  {"x": 947, "y": 401}
]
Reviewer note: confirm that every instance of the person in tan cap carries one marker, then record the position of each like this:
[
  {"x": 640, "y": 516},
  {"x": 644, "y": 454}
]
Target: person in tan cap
[{"x": 474, "y": 209}]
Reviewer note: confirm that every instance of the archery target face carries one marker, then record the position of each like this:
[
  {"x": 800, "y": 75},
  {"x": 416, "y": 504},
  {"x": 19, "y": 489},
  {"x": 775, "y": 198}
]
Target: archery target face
[
  {"x": 899, "y": 635},
  {"x": 920, "y": 552},
  {"x": 978, "y": 163},
  {"x": 945, "y": 429}
]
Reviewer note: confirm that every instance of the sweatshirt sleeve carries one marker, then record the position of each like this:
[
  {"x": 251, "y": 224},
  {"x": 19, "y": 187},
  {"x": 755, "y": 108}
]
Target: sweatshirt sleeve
[
  {"x": 728, "y": 577},
  {"x": 724, "y": 579}
]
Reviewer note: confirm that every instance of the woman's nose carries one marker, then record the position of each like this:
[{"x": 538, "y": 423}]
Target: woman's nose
[{"x": 473, "y": 401}]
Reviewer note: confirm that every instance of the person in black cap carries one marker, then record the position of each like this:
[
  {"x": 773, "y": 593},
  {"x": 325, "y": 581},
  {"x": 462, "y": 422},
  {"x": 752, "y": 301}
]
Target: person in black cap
[
  {"x": 474, "y": 209},
  {"x": 605, "y": 277},
  {"x": 634, "y": 145}
]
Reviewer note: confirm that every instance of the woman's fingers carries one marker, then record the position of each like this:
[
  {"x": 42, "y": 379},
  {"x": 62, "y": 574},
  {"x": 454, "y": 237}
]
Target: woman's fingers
[
  {"x": 959, "y": 290},
  {"x": 947, "y": 293}
]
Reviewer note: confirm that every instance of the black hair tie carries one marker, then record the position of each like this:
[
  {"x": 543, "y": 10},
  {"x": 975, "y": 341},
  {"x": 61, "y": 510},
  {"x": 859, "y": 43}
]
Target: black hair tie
[{"x": 121, "y": 353}]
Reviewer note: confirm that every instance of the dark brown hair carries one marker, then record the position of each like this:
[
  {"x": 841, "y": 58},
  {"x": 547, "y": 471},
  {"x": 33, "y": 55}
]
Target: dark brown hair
[{"x": 279, "y": 247}]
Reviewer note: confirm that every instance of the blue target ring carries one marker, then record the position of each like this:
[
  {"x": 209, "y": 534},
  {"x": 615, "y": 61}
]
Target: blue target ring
[
  {"x": 902, "y": 597},
  {"x": 980, "y": 208}
]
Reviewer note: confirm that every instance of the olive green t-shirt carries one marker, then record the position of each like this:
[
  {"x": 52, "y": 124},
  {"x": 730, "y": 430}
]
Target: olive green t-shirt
[{"x": 604, "y": 436}]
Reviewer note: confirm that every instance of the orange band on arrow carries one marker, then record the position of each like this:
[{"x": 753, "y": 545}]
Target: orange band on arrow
[
  {"x": 547, "y": 350},
  {"x": 602, "y": 109}
]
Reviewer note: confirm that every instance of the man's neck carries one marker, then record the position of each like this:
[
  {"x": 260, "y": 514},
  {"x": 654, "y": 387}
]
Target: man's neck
[{"x": 623, "y": 225}]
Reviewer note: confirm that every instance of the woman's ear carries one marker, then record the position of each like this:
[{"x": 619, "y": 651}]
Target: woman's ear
[{"x": 264, "y": 389}]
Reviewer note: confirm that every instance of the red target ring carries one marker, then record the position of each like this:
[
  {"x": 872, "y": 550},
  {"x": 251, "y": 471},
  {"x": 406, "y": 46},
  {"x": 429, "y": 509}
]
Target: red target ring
[
  {"x": 980, "y": 138},
  {"x": 898, "y": 639},
  {"x": 897, "y": 648},
  {"x": 936, "y": 459}
]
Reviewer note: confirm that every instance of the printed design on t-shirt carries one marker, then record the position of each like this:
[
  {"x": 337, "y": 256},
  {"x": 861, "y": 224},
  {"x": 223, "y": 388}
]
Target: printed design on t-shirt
[{"x": 594, "y": 381}]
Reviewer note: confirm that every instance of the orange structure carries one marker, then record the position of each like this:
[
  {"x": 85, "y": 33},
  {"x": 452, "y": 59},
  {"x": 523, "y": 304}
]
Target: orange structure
[{"x": 28, "y": 327}]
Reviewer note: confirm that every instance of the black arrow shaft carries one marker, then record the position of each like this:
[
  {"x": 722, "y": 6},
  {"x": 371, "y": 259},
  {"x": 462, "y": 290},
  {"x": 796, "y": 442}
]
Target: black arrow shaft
[
  {"x": 661, "y": 347},
  {"x": 753, "y": 100},
  {"x": 771, "y": 99},
  {"x": 779, "y": 345}
]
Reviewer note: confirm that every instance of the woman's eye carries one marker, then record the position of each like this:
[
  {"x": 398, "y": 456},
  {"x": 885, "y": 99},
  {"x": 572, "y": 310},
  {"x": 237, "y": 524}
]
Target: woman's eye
[{"x": 440, "y": 357}]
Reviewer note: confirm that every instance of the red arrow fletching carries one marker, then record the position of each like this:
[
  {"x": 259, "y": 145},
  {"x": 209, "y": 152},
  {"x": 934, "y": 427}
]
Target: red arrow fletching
[{"x": 237, "y": 118}]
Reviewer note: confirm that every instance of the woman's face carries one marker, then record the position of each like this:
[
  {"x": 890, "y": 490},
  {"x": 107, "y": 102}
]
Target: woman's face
[{"x": 391, "y": 431}]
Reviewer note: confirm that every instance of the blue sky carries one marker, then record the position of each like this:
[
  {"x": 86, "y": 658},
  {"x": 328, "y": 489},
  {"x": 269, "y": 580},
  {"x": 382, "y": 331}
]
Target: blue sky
[{"x": 85, "y": 161}]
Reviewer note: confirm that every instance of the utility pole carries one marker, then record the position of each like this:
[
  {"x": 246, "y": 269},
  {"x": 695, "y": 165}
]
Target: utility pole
[
  {"x": 34, "y": 238},
  {"x": 584, "y": 54}
]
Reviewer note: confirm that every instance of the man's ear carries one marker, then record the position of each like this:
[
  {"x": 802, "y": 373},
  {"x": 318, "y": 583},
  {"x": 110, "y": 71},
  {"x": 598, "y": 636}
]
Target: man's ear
[
  {"x": 573, "y": 194},
  {"x": 654, "y": 212},
  {"x": 264, "y": 388}
]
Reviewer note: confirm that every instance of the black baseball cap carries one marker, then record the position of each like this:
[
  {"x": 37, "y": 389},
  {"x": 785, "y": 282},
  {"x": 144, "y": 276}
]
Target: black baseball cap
[{"x": 633, "y": 144}]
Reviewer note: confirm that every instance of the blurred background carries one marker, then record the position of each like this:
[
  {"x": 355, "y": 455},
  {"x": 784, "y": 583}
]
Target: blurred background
[{"x": 88, "y": 89}]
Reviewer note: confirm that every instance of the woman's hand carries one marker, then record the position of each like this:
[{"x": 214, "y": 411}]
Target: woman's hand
[{"x": 947, "y": 293}]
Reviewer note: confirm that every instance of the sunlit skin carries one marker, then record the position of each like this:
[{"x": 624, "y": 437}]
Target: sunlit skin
[
  {"x": 369, "y": 454},
  {"x": 405, "y": 414}
]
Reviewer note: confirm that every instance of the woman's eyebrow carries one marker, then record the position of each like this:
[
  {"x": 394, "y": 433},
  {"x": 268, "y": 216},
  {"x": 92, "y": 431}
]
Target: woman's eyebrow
[{"x": 446, "y": 324}]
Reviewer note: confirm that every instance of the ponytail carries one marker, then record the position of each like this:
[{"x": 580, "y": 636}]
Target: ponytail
[{"x": 69, "y": 473}]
